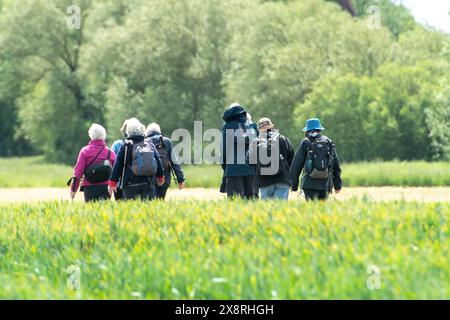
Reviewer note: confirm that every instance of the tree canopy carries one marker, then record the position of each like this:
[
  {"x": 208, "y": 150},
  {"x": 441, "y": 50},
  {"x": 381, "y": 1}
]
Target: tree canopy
[{"x": 178, "y": 61}]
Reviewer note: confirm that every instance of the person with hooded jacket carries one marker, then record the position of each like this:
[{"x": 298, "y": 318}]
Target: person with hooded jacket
[
  {"x": 237, "y": 133},
  {"x": 154, "y": 134},
  {"x": 135, "y": 187},
  {"x": 314, "y": 188}
]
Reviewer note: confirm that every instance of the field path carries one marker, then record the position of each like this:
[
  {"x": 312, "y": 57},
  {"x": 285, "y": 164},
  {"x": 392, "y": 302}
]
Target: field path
[{"x": 425, "y": 194}]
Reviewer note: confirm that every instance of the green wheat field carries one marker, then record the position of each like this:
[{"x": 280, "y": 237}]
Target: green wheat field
[{"x": 225, "y": 250}]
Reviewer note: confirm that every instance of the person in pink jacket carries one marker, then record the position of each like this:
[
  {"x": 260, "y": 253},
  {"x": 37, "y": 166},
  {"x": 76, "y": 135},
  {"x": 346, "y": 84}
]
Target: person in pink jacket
[{"x": 94, "y": 162}]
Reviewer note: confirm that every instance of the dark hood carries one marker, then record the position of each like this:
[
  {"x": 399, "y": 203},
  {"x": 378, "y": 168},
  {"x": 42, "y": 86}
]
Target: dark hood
[
  {"x": 153, "y": 134},
  {"x": 234, "y": 113}
]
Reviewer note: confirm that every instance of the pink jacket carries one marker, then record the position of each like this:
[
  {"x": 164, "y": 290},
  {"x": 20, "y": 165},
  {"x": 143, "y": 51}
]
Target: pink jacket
[{"x": 87, "y": 154}]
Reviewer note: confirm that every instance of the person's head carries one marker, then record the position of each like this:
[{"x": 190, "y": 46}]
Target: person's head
[
  {"x": 233, "y": 105},
  {"x": 124, "y": 128},
  {"x": 135, "y": 128},
  {"x": 97, "y": 132},
  {"x": 265, "y": 124},
  {"x": 153, "y": 128}
]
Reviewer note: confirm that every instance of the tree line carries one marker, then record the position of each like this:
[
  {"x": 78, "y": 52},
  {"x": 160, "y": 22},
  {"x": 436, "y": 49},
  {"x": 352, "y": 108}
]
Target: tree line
[{"x": 381, "y": 90}]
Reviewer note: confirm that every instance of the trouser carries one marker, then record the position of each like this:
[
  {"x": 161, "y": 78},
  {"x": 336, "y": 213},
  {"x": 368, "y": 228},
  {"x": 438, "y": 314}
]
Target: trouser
[
  {"x": 118, "y": 195},
  {"x": 311, "y": 194},
  {"x": 143, "y": 191},
  {"x": 275, "y": 191},
  {"x": 160, "y": 192},
  {"x": 96, "y": 193},
  {"x": 246, "y": 187}
]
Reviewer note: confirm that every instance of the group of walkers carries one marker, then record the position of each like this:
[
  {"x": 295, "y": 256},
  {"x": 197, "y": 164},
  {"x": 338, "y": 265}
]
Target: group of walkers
[
  {"x": 316, "y": 159},
  {"x": 256, "y": 160},
  {"x": 139, "y": 166}
]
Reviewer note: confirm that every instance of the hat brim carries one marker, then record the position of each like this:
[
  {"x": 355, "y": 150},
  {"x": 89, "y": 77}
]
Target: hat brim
[{"x": 309, "y": 129}]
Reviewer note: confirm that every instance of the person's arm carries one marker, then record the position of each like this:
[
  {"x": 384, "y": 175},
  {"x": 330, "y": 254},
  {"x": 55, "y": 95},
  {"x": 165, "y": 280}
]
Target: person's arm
[
  {"x": 78, "y": 172},
  {"x": 112, "y": 158},
  {"x": 337, "y": 182},
  {"x": 175, "y": 163},
  {"x": 224, "y": 147},
  {"x": 160, "y": 179},
  {"x": 297, "y": 164},
  {"x": 118, "y": 167},
  {"x": 289, "y": 150},
  {"x": 252, "y": 154}
]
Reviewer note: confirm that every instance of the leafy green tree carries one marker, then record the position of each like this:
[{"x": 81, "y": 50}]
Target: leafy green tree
[
  {"x": 394, "y": 17},
  {"x": 167, "y": 60},
  {"x": 37, "y": 40},
  {"x": 400, "y": 113},
  {"x": 285, "y": 49}
]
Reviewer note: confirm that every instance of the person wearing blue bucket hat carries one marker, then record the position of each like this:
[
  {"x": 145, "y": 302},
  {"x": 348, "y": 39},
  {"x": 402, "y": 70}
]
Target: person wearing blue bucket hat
[
  {"x": 317, "y": 159},
  {"x": 313, "y": 124}
]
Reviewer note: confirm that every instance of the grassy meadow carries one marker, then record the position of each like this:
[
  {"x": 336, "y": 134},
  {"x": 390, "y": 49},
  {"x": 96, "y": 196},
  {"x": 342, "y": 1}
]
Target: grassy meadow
[
  {"x": 225, "y": 250},
  {"x": 34, "y": 172}
]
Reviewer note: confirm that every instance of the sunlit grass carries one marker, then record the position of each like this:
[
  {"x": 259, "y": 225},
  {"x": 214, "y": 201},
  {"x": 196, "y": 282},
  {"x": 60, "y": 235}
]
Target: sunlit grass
[
  {"x": 258, "y": 250},
  {"x": 34, "y": 172}
]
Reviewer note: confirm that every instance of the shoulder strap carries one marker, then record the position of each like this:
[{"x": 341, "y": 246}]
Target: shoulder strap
[
  {"x": 90, "y": 163},
  {"x": 161, "y": 140}
]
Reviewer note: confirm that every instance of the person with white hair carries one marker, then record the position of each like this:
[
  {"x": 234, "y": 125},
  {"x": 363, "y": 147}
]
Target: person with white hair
[
  {"x": 138, "y": 166},
  {"x": 93, "y": 167},
  {"x": 115, "y": 147},
  {"x": 168, "y": 157}
]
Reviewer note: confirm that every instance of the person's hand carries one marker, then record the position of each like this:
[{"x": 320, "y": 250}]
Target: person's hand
[
  {"x": 160, "y": 181},
  {"x": 72, "y": 194},
  {"x": 337, "y": 191},
  {"x": 181, "y": 185},
  {"x": 112, "y": 189}
]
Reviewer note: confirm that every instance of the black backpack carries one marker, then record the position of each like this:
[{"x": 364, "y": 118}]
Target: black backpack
[
  {"x": 163, "y": 154},
  {"x": 319, "y": 159},
  {"x": 100, "y": 172}
]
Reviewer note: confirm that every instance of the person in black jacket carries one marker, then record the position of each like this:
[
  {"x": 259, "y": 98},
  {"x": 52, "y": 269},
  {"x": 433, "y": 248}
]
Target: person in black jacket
[
  {"x": 168, "y": 157},
  {"x": 313, "y": 185},
  {"x": 237, "y": 133},
  {"x": 135, "y": 187},
  {"x": 273, "y": 153}
]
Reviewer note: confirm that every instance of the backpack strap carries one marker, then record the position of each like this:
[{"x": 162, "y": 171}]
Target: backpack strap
[
  {"x": 161, "y": 142},
  {"x": 95, "y": 158}
]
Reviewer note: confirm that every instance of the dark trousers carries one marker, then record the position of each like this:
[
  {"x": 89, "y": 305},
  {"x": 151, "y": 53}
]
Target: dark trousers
[
  {"x": 246, "y": 187},
  {"x": 96, "y": 193},
  {"x": 118, "y": 195},
  {"x": 160, "y": 192},
  {"x": 144, "y": 191},
  {"x": 311, "y": 194}
]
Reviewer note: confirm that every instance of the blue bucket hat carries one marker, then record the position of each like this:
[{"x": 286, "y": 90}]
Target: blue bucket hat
[{"x": 313, "y": 124}]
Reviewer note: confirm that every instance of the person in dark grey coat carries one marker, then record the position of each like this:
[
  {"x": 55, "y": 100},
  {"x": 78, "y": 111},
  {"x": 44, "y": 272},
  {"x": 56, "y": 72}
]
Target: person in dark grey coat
[
  {"x": 239, "y": 176},
  {"x": 154, "y": 134},
  {"x": 314, "y": 188}
]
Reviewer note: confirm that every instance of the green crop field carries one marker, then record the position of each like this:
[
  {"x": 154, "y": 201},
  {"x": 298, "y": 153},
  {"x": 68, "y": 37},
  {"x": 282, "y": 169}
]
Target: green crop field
[
  {"x": 34, "y": 172},
  {"x": 225, "y": 250}
]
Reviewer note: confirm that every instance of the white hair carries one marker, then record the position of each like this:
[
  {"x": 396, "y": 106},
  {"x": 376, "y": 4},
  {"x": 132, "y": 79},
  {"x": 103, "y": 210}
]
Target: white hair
[
  {"x": 135, "y": 128},
  {"x": 153, "y": 127},
  {"x": 97, "y": 132}
]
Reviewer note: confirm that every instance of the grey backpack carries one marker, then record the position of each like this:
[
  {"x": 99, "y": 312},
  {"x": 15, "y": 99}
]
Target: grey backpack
[{"x": 143, "y": 161}]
